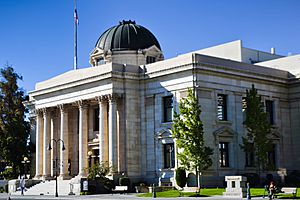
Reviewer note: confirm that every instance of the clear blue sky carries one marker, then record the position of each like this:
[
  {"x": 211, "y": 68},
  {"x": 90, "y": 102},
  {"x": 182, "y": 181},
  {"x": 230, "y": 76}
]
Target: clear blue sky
[{"x": 36, "y": 36}]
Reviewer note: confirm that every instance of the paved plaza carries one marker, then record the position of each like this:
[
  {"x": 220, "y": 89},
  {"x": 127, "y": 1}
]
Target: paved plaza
[{"x": 114, "y": 196}]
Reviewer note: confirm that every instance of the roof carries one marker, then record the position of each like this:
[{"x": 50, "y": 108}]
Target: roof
[{"x": 127, "y": 36}]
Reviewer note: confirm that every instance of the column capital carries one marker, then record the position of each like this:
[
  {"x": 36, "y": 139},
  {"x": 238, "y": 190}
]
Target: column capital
[
  {"x": 62, "y": 108},
  {"x": 81, "y": 104},
  {"x": 113, "y": 97},
  {"x": 38, "y": 112},
  {"x": 101, "y": 99}
]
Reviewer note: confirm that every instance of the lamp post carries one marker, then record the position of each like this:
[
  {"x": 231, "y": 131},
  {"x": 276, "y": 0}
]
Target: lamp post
[
  {"x": 90, "y": 153},
  {"x": 25, "y": 161},
  {"x": 56, "y": 159}
]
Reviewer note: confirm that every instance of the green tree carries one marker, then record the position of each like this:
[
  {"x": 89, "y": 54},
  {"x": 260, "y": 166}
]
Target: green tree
[
  {"x": 258, "y": 129},
  {"x": 188, "y": 131},
  {"x": 180, "y": 177},
  {"x": 14, "y": 129}
]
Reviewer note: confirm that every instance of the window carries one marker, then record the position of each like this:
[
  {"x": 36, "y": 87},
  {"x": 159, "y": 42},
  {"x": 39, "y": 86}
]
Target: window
[
  {"x": 250, "y": 157},
  {"x": 270, "y": 111},
  {"x": 244, "y": 107},
  {"x": 96, "y": 119},
  {"x": 222, "y": 107},
  {"x": 272, "y": 157},
  {"x": 150, "y": 59},
  {"x": 168, "y": 109},
  {"x": 169, "y": 155},
  {"x": 224, "y": 154}
]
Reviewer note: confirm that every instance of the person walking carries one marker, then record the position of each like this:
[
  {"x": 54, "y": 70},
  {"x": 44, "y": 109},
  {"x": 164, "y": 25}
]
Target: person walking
[
  {"x": 272, "y": 190},
  {"x": 22, "y": 184}
]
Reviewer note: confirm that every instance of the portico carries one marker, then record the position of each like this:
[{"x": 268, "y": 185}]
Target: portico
[{"x": 61, "y": 122}]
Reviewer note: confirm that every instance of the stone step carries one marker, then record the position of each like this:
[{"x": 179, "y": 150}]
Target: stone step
[{"x": 48, "y": 188}]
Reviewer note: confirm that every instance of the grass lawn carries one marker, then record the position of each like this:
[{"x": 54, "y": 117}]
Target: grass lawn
[
  {"x": 205, "y": 192},
  {"x": 176, "y": 193}
]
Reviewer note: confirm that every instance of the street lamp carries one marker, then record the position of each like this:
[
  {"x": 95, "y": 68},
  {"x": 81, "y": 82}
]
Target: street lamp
[
  {"x": 56, "y": 159},
  {"x": 25, "y": 161},
  {"x": 90, "y": 153}
]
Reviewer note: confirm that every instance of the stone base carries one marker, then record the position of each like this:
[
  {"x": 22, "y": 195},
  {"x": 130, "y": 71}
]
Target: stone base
[
  {"x": 234, "y": 194},
  {"x": 64, "y": 177}
]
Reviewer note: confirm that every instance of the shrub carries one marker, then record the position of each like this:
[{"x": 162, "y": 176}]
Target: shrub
[
  {"x": 293, "y": 179},
  {"x": 180, "y": 177},
  {"x": 98, "y": 171},
  {"x": 124, "y": 181},
  {"x": 8, "y": 173}
]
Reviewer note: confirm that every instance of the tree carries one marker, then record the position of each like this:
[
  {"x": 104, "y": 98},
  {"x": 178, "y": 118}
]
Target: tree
[
  {"x": 258, "y": 129},
  {"x": 180, "y": 177},
  {"x": 14, "y": 130},
  {"x": 188, "y": 131}
]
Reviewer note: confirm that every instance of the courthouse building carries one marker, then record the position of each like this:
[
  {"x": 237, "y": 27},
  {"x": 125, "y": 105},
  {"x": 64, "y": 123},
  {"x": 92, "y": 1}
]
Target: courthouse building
[{"x": 120, "y": 109}]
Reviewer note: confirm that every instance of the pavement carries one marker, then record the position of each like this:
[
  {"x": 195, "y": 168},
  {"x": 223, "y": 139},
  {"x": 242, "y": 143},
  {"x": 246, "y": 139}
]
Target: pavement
[{"x": 4, "y": 196}]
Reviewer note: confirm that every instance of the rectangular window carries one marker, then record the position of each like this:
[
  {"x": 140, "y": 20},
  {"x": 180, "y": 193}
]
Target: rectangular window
[
  {"x": 270, "y": 111},
  {"x": 168, "y": 109},
  {"x": 222, "y": 107},
  {"x": 224, "y": 154},
  {"x": 96, "y": 119},
  {"x": 244, "y": 107},
  {"x": 169, "y": 155},
  {"x": 250, "y": 158},
  {"x": 150, "y": 59},
  {"x": 272, "y": 157}
]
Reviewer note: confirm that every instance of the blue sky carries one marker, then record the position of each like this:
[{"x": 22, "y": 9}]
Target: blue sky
[{"x": 36, "y": 36}]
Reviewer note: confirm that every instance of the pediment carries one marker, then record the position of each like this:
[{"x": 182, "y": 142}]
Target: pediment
[
  {"x": 163, "y": 133},
  {"x": 153, "y": 48},
  {"x": 275, "y": 135},
  {"x": 224, "y": 132},
  {"x": 97, "y": 51}
]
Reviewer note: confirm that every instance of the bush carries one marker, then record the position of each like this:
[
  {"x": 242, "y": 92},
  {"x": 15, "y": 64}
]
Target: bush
[
  {"x": 98, "y": 171},
  {"x": 293, "y": 179},
  {"x": 180, "y": 177},
  {"x": 8, "y": 173},
  {"x": 124, "y": 181}
]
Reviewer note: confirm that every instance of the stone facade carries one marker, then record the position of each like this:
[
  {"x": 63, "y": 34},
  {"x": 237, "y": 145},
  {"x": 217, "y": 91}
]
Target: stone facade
[{"x": 117, "y": 111}]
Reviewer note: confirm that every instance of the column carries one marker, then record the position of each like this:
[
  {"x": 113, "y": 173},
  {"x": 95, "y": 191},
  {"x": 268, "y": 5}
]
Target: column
[
  {"x": 112, "y": 133},
  {"x": 38, "y": 145},
  {"x": 52, "y": 156},
  {"x": 83, "y": 138},
  {"x": 103, "y": 141},
  {"x": 46, "y": 152},
  {"x": 63, "y": 173}
]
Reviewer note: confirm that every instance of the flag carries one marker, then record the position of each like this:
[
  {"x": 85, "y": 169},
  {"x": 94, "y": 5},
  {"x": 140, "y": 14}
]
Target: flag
[{"x": 76, "y": 17}]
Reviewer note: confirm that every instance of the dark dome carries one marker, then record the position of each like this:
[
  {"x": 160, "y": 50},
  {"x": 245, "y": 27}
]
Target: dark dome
[{"x": 127, "y": 36}]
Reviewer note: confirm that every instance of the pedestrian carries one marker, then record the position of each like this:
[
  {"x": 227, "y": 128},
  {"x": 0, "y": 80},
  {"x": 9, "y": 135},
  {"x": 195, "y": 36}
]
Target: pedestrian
[
  {"x": 22, "y": 184},
  {"x": 272, "y": 190}
]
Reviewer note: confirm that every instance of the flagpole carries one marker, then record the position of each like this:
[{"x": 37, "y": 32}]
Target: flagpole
[{"x": 75, "y": 35}]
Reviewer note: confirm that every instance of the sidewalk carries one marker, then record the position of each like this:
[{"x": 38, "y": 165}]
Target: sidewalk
[{"x": 116, "y": 196}]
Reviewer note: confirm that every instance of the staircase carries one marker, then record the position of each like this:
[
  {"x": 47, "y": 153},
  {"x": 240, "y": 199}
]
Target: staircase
[{"x": 48, "y": 188}]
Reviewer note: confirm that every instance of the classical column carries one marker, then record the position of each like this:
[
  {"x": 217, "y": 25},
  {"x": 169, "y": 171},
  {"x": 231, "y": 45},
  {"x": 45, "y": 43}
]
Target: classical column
[
  {"x": 103, "y": 140},
  {"x": 112, "y": 134},
  {"x": 83, "y": 138},
  {"x": 46, "y": 140},
  {"x": 64, "y": 137},
  {"x": 52, "y": 156},
  {"x": 38, "y": 145}
]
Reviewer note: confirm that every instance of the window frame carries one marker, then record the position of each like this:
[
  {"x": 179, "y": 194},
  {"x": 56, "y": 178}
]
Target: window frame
[
  {"x": 222, "y": 111},
  {"x": 167, "y": 109},
  {"x": 96, "y": 120},
  {"x": 224, "y": 154},
  {"x": 168, "y": 156},
  {"x": 270, "y": 111}
]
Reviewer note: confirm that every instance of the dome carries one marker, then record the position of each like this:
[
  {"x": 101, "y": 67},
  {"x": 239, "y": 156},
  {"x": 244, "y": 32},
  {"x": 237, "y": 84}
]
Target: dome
[{"x": 126, "y": 36}]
